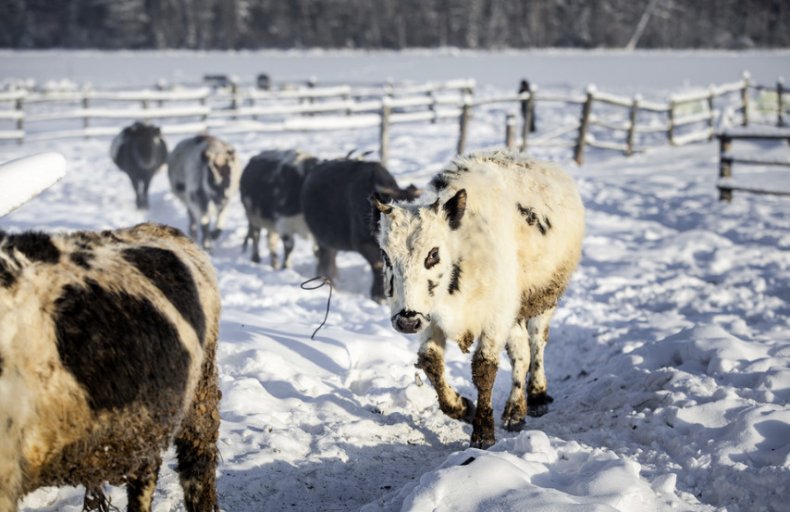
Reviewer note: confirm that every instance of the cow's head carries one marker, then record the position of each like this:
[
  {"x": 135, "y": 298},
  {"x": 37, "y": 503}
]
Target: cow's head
[
  {"x": 220, "y": 160},
  {"x": 147, "y": 143},
  {"x": 421, "y": 262}
]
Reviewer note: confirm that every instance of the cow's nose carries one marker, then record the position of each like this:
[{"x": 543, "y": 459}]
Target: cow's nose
[{"x": 408, "y": 322}]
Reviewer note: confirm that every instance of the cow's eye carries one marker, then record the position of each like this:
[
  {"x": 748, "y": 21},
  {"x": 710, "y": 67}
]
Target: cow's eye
[
  {"x": 386, "y": 259},
  {"x": 432, "y": 258}
]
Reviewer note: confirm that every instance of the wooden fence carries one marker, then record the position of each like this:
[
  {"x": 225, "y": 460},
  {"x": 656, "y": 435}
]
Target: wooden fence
[{"x": 605, "y": 121}]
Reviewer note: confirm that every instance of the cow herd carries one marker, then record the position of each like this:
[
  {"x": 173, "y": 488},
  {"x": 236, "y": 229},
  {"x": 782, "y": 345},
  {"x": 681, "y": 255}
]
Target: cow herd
[{"x": 107, "y": 348}]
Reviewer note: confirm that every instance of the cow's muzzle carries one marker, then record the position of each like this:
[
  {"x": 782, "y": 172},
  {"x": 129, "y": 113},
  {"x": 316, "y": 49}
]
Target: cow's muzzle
[{"x": 409, "y": 322}]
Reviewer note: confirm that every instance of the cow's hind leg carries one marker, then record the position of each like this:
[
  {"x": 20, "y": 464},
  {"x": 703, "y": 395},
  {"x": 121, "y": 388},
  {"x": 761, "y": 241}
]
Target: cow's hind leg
[
  {"x": 372, "y": 253},
  {"x": 518, "y": 351},
  {"x": 288, "y": 246},
  {"x": 273, "y": 242},
  {"x": 431, "y": 361},
  {"x": 326, "y": 262},
  {"x": 484, "y": 368},
  {"x": 196, "y": 443},
  {"x": 140, "y": 488},
  {"x": 537, "y": 398}
]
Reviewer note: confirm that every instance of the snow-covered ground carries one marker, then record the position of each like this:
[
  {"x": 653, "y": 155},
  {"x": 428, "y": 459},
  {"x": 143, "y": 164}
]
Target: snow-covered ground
[{"x": 669, "y": 360}]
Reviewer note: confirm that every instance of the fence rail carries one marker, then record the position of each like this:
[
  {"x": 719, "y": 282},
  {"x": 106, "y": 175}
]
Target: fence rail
[{"x": 234, "y": 109}]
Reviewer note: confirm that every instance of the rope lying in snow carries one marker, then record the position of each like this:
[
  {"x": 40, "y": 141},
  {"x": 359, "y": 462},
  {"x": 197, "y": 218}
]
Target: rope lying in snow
[
  {"x": 95, "y": 499},
  {"x": 321, "y": 282}
]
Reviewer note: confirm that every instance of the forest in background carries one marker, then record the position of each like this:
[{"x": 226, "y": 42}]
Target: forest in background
[{"x": 393, "y": 24}]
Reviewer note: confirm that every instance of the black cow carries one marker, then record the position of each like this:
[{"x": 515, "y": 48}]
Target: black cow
[
  {"x": 335, "y": 201},
  {"x": 271, "y": 191},
  {"x": 139, "y": 151}
]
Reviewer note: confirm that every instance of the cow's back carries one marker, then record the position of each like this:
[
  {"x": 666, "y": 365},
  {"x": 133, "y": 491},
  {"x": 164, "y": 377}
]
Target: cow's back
[
  {"x": 185, "y": 165},
  {"x": 526, "y": 215},
  {"x": 104, "y": 336},
  {"x": 335, "y": 203},
  {"x": 271, "y": 184}
]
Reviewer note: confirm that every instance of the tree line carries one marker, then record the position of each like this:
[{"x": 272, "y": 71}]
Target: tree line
[{"x": 392, "y": 24}]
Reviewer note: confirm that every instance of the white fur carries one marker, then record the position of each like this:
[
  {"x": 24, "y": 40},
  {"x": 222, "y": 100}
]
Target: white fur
[
  {"x": 191, "y": 164},
  {"x": 502, "y": 256}
]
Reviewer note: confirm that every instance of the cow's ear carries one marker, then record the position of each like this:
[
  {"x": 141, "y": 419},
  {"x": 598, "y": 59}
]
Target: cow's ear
[
  {"x": 378, "y": 201},
  {"x": 454, "y": 208}
]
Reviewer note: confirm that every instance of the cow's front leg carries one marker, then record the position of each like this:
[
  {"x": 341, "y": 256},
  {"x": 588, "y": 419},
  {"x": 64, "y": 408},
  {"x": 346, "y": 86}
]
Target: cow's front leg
[
  {"x": 518, "y": 351},
  {"x": 484, "y": 367},
  {"x": 538, "y": 399},
  {"x": 192, "y": 225},
  {"x": 431, "y": 361},
  {"x": 222, "y": 213}
]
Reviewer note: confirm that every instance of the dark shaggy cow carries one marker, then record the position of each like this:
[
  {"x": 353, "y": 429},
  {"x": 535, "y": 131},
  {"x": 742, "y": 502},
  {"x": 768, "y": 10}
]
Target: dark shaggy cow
[
  {"x": 335, "y": 200},
  {"x": 107, "y": 352},
  {"x": 204, "y": 174},
  {"x": 271, "y": 191},
  {"x": 139, "y": 151}
]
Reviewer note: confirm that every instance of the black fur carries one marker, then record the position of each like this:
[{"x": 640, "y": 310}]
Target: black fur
[
  {"x": 533, "y": 220},
  {"x": 35, "y": 246},
  {"x": 82, "y": 258},
  {"x": 439, "y": 182},
  {"x": 431, "y": 287},
  {"x": 335, "y": 201},
  {"x": 120, "y": 348},
  {"x": 455, "y": 278},
  {"x": 141, "y": 153},
  {"x": 454, "y": 208},
  {"x": 174, "y": 280}
]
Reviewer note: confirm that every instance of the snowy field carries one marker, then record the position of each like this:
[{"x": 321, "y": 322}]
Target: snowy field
[{"x": 669, "y": 359}]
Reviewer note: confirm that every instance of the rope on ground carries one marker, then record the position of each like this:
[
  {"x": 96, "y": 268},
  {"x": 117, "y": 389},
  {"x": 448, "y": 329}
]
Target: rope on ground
[{"x": 321, "y": 280}]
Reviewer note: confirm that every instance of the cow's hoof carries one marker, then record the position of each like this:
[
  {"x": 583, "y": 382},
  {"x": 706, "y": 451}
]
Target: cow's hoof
[
  {"x": 469, "y": 410},
  {"x": 538, "y": 405},
  {"x": 255, "y": 258},
  {"x": 482, "y": 442},
  {"x": 513, "y": 415},
  {"x": 215, "y": 233}
]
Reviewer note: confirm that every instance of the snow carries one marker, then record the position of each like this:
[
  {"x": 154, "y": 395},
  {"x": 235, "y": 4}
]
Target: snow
[
  {"x": 669, "y": 359},
  {"x": 24, "y": 178}
]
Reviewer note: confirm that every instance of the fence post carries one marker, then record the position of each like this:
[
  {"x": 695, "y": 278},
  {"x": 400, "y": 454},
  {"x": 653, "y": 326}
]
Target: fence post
[
  {"x": 85, "y": 105},
  {"x": 527, "y": 114},
  {"x": 745, "y": 98},
  {"x": 20, "y": 121},
  {"x": 384, "y": 133},
  {"x": 629, "y": 140},
  {"x": 234, "y": 102},
  {"x": 510, "y": 131},
  {"x": 432, "y": 107},
  {"x": 671, "y": 121},
  {"x": 725, "y": 166},
  {"x": 464, "y": 123},
  {"x": 711, "y": 112},
  {"x": 584, "y": 124},
  {"x": 780, "y": 103}
]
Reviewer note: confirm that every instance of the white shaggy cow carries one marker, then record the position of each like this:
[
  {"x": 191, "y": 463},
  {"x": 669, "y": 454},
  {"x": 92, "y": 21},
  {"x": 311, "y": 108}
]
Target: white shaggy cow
[
  {"x": 488, "y": 260},
  {"x": 107, "y": 352},
  {"x": 204, "y": 174}
]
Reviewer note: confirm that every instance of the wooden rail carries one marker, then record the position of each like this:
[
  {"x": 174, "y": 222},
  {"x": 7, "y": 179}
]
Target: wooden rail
[
  {"x": 726, "y": 185},
  {"x": 623, "y": 121}
]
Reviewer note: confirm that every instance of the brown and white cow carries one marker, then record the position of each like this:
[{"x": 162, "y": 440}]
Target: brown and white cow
[
  {"x": 487, "y": 261},
  {"x": 204, "y": 174},
  {"x": 107, "y": 354}
]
